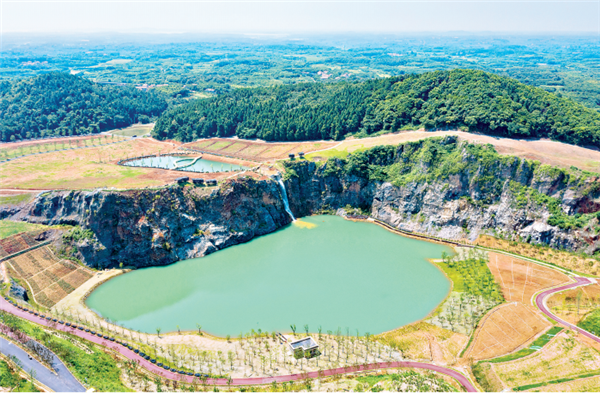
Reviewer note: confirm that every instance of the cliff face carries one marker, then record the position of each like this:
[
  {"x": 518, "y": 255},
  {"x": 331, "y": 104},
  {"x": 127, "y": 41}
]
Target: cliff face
[
  {"x": 511, "y": 197},
  {"x": 157, "y": 227},
  {"x": 439, "y": 187}
]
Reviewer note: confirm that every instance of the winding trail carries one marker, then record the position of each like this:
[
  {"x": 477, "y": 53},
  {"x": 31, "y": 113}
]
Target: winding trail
[
  {"x": 540, "y": 302},
  {"x": 153, "y": 368}
]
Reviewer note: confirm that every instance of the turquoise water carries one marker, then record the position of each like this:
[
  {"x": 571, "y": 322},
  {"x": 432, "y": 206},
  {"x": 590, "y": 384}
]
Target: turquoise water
[
  {"x": 171, "y": 162},
  {"x": 322, "y": 271}
]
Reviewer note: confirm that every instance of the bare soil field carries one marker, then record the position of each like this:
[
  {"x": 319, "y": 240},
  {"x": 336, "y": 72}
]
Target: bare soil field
[
  {"x": 520, "y": 279},
  {"x": 572, "y": 305},
  {"x": 50, "y": 279},
  {"x": 425, "y": 341},
  {"x": 94, "y": 168},
  {"x": 545, "y": 151},
  {"x": 559, "y": 258},
  {"x": 564, "y": 357},
  {"x": 504, "y": 329},
  {"x": 256, "y": 150}
]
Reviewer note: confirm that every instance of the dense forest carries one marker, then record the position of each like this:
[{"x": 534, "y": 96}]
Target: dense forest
[
  {"x": 467, "y": 99},
  {"x": 63, "y": 104}
]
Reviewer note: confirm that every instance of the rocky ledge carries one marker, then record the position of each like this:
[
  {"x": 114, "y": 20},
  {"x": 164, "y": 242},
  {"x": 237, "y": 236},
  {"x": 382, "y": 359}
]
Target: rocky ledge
[{"x": 158, "y": 226}]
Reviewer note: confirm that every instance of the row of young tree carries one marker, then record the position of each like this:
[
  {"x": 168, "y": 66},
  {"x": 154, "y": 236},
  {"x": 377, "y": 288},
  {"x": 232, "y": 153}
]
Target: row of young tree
[
  {"x": 466, "y": 99},
  {"x": 59, "y": 104}
]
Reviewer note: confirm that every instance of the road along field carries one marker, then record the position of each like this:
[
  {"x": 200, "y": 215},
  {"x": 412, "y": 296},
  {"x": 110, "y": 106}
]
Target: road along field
[
  {"x": 155, "y": 369},
  {"x": 49, "y": 278},
  {"x": 574, "y": 304},
  {"x": 564, "y": 259},
  {"x": 511, "y": 326},
  {"x": 520, "y": 279},
  {"x": 505, "y": 329}
]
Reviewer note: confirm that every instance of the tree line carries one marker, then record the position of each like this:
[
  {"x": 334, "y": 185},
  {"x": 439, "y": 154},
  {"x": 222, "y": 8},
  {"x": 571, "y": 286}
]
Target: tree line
[
  {"x": 59, "y": 104},
  {"x": 473, "y": 100}
]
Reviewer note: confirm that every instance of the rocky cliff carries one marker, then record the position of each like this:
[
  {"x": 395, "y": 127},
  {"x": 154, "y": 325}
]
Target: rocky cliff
[
  {"x": 455, "y": 190},
  {"x": 438, "y": 186},
  {"x": 157, "y": 227}
]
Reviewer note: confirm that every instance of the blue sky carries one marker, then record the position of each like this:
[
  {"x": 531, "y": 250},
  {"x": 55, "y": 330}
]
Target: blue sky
[{"x": 300, "y": 16}]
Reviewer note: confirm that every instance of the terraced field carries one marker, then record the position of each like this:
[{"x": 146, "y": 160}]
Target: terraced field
[
  {"x": 19, "y": 242},
  {"x": 50, "y": 279},
  {"x": 254, "y": 150}
]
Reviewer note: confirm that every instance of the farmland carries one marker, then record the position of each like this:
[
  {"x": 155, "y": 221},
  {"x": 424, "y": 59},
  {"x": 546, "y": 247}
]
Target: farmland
[
  {"x": 505, "y": 329},
  {"x": 520, "y": 279},
  {"x": 50, "y": 279},
  {"x": 565, "y": 357},
  {"x": 255, "y": 150},
  {"x": 19, "y": 149},
  {"x": 21, "y": 241}
]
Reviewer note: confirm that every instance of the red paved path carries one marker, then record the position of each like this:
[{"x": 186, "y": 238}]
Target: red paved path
[
  {"x": 6, "y": 306},
  {"x": 540, "y": 301}
]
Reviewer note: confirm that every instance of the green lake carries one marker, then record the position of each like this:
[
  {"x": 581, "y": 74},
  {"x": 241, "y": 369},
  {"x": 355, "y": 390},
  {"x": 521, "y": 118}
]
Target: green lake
[{"x": 321, "y": 271}]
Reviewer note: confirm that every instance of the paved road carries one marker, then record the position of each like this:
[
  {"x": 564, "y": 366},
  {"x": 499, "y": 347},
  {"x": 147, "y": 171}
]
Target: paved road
[
  {"x": 4, "y": 305},
  {"x": 62, "y": 381},
  {"x": 540, "y": 301}
]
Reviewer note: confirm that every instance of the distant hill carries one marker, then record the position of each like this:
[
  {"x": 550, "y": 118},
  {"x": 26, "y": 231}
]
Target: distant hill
[
  {"x": 469, "y": 99},
  {"x": 63, "y": 104}
]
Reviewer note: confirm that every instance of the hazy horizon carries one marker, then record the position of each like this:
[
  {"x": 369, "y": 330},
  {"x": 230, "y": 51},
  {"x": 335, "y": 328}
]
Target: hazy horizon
[{"x": 292, "y": 17}]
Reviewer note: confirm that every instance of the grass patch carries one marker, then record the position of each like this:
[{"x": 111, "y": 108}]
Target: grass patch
[
  {"x": 15, "y": 199},
  {"x": 555, "y": 381},
  {"x": 134, "y": 130},
  {"x": 98, "y": 369},
  {"x": 535, "y": 346},
  {"x": 10, "y": 379},
  {"x": 454, "y": 276},
  {"x": 472, "y": 276},
  {"x": 480, "y": 371},
  {"x": 591, "y": 322},
  {"x": 9, "y": 228},
  {"x": 416, "y": 382}
]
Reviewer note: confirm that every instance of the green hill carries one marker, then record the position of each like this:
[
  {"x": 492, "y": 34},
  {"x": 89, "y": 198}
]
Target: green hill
[
  {"x": 62, "y": 104},
  {"x": 469, "y": 99}
]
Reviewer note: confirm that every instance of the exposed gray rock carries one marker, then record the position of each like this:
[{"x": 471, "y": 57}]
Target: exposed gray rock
[{"x": 17, "y": 291}]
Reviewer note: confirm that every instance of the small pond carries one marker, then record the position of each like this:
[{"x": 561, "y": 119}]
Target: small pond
[
  {"x": 320, "y": 271},
  {"x": 189, "y": 164}
]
